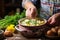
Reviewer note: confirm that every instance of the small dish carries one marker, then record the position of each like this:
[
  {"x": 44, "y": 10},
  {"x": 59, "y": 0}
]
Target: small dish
[
  {"x": 52, "y": 37},
  {"x": 1, "y": 34}
]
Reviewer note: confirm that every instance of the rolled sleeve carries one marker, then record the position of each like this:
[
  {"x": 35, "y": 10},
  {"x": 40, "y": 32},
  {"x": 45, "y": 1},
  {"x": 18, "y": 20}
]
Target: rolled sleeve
[{"x": 25, "y": 1}]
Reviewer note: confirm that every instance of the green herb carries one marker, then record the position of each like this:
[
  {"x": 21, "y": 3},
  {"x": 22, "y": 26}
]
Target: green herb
[{"x": 11, "y": 19}]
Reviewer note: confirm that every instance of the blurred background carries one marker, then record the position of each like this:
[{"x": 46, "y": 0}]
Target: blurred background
[{"x": 8, "y": 7}]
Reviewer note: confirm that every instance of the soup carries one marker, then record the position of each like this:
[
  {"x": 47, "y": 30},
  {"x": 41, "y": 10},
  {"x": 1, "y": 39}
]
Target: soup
[{"x": 32, "y": 22}]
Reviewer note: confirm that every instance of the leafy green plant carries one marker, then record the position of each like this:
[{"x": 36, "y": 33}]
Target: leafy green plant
[{"x": 11, "y": 19}]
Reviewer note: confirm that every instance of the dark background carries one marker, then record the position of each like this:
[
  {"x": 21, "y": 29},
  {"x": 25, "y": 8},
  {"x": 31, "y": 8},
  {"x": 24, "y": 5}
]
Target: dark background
[{"x": 9, "y": 6}]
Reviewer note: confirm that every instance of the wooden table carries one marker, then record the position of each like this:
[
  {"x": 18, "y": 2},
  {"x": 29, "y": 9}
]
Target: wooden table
[{"x": 20, "y": 37}]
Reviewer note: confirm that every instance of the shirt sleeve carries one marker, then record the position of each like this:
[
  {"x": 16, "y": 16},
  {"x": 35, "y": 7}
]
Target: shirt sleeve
[{"x": 25, "y": 1}]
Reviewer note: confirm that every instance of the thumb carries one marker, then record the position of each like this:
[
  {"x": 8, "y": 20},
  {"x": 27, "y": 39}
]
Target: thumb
[
  {"x": 52, "y": 21},
  {"x": 28, "y": 11},
  {"x": 49, "y": 20}
]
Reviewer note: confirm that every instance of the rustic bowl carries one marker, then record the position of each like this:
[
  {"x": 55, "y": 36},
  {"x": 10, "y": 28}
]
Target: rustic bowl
[
  {"x": 31, "y": 31},
  {"x": 32, "y": 27}
]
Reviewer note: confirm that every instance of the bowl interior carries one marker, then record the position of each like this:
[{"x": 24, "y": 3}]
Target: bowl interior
[{"x": 45, "y": 21}]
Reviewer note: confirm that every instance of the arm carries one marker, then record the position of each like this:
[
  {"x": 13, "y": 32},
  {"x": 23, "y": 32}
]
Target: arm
[
  {"x": 31, "y": 11},
  {"x": 27, "y": 4}
]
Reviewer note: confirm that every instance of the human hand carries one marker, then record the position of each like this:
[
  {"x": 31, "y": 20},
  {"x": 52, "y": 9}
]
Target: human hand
[
  {"x": 31, "y": 12},
  {"x": 55, "y": 19}
]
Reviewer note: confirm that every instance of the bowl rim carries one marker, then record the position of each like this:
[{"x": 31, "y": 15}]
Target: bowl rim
[
  {"x": 16, "y": 27},
  {"x": 1, "y": 31},
  {"x": 19, "y": 21}
]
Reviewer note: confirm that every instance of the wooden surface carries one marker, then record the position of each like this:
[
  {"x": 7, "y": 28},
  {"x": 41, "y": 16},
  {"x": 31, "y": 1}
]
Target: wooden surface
[{"x": 19, "y": 37}]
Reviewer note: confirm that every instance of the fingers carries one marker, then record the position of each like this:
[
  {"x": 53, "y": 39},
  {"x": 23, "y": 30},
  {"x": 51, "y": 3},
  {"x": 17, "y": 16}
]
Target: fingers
[
  {"x": 28, "y": 11},
  {"x": 31, "y": 13},
  {"x": 32, "y": 10},
  {"x": 51, "y": 20}
]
